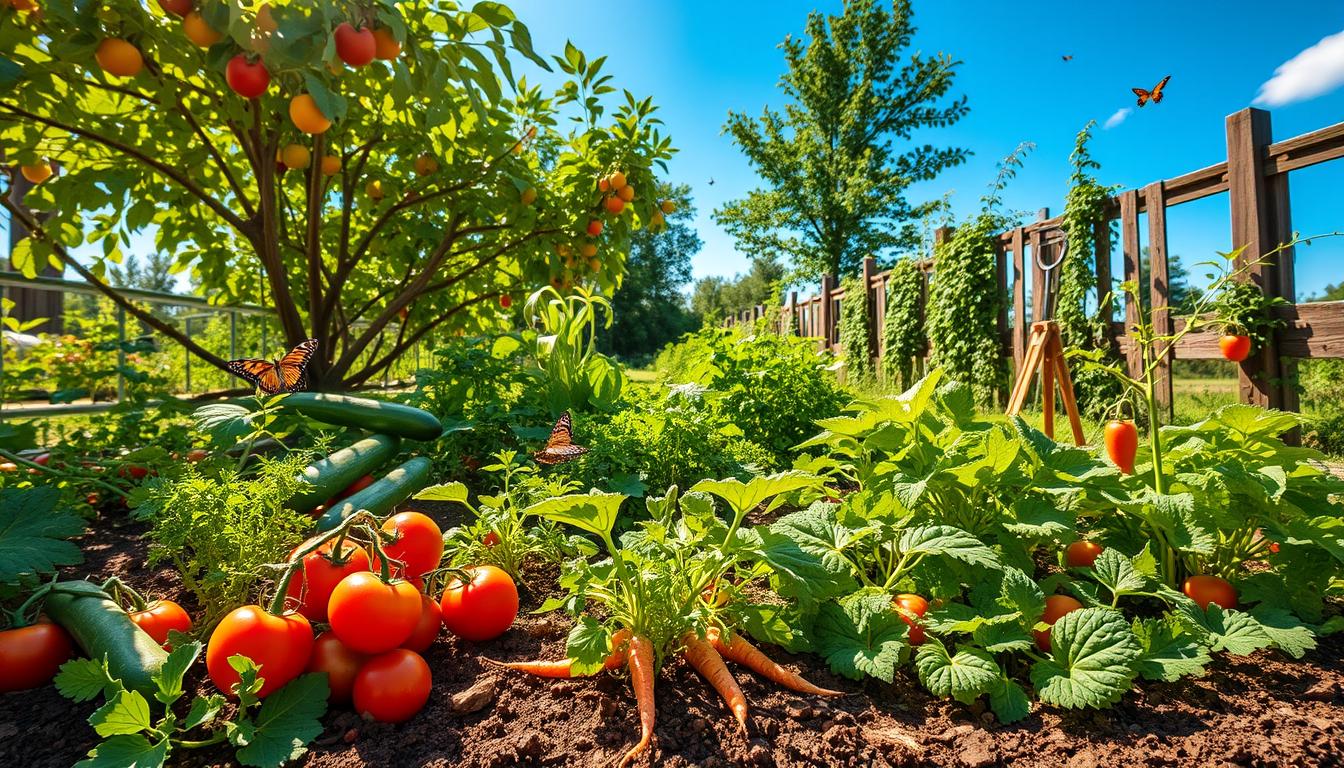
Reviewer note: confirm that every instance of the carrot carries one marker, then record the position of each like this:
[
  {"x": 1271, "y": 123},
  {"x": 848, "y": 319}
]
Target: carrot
[
  {"x": 564, "y": 667},
  {"x": 640, "y": 661},
  {"x": 709, "y": 664},
  {"x": 746, "y": 654}
]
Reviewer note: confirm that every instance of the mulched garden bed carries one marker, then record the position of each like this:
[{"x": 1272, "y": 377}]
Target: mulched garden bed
[{"x": 1263, "y": 710}]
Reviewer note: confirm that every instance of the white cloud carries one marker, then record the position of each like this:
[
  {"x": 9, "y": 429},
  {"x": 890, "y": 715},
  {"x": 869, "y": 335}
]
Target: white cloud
[
  {"x": 1117, "y": 118},
  {"x": 1315, "y": 71}
]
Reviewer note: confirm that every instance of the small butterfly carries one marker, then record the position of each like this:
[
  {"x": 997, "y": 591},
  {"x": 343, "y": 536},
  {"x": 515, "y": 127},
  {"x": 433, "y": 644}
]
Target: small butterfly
[
  {"x": 560, "y": 446},
  {"x": 1154, "y": 95},
  {"x": 711, "y": 182},
  {"x": 1067, "y": 58},
  {"x": 283, "y": 375}
]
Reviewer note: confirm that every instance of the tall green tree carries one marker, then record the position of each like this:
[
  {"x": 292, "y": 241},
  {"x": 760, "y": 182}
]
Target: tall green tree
[
  {"x": 714, "y": 298},
  {"x": 649, "y": 309},
  {"x": 837, "y": 162}
]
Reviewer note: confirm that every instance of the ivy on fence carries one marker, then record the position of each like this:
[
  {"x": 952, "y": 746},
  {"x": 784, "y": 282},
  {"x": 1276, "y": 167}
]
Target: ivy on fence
[
  {"x": 903, "y": 327},
  {"x": 854, "y": 323}
]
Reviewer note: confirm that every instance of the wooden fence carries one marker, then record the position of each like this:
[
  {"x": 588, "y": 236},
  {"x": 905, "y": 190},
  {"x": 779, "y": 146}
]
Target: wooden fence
[{"x": 1255, "y": 176}]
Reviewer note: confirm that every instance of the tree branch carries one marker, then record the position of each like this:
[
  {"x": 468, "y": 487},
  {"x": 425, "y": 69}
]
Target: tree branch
[{"x": 374, "y": 367}]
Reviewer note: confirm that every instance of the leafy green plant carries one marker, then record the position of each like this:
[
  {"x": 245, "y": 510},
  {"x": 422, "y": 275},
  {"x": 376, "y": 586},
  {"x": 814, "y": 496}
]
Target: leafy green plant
[
  {"x": 903, "y": 327},
  {"x": 564, "y": 347},
  {"x": 1243, "y": 309},
  {"x": 34, "y": 535},
  {"x": 265, "y": 734},
  {"x": 854, "y": 322}
]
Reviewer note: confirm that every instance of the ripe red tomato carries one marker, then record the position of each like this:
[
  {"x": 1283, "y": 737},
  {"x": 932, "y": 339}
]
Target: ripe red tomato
[
  {"x": 159, "y": 617},
  {"x": 415, "y": 540},
  {"x": 1210, "y": 589},
  {"x": 340, "y": 663},
  {"x": 918, "y": 606},
  {"x": 1082, "y": 553},
  {"x": 506, "y": 301},
  {"x": 1055, "y": 607},
  {"x": 1235, "y": 347},
  {"x": 392, "y": 687},
  {"x": 372, "y": 616},
  {"x": 1122, "y": 444},
  {"x": 311, "y": 587},
  {"x": 31, "y": 655},
  {"x": 278, "y": 645},
  {"x": 356, "y": 487},
  {"x": 248, "y": 79},
  {"x": 427, "y": 629},
  {"x": 176, "y": 7},
  {"x": 356, "y": 47},
  {"x": 483, "y": 609},
  {"x": 490, "y": 540}
]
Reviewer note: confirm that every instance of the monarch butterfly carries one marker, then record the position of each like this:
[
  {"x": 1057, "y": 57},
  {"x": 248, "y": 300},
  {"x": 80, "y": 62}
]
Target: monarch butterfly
[
  {"x": 1069, "y": 57},
  {"x": 283, "y": 375},
  {"x": 560, "y": 446},
  {"x": 1154, "y": 95}
]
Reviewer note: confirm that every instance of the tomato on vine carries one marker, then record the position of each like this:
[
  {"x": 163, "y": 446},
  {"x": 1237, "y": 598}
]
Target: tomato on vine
[
  {"x": 371, "y": 615},
  {"x": 1082, "y": 553},
  {"x": 1122, "y": 444},
  {"x": 913, "y": 604},
  {"x": 160, "y": 617},
  {"x": 279, "y": 645},
  {"x": 339, "y": 663},
  {"x": 483, "y": 608},
  {"x": 415, "y": 540},
  {"x": 392, "y": 687},
  {"x": 1205, "y": 589},
  {"x": 427, "y": 628},
  {"x": 322, "y": 570}
]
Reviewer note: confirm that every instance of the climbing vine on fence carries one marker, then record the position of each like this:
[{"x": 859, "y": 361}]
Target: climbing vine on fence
[
  {"x": 854, "y": 330},
  {"x": 965, "y": 299},
  {"x": 1084, "y": 216},
  {"x": 903, "y": 326}
]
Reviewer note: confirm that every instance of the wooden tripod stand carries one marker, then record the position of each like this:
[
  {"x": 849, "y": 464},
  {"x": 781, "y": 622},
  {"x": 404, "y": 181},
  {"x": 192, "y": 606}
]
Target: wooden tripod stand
[{"x": 1045, "y": 351}]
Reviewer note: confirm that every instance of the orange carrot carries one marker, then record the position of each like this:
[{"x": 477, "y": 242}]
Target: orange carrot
[
  {"x": 640, "y": 661},
  {"x": 564, "y": 667},
  {"x": 746, "y": 654},
  {"x": 709, "y": 664}
]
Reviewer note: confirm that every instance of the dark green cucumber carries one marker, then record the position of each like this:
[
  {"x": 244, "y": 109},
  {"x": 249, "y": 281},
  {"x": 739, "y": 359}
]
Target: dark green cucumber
[
  {"x": 327, "y": 477},
  {"x": 102, "y": 628},
  {"x": 383, "y": 496},
  {"x": 363, "y": 413}
]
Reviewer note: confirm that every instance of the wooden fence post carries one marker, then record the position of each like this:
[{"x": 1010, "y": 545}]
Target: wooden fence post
[
  {"x": 824, "y": 313},
  {"x": 1038, "y": 286},
  {"x": 1019, "y": 299},
  {"x": 1159, "y": 293},
  {"x": 870, "y": 305},
  {"x": 1129, "y": 244},
  {"x": 1105, "y": 304},
  {"x": 1256, "y": 226}
]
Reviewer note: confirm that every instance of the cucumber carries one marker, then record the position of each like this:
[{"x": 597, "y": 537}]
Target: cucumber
[
  {"x": 327, "y": 477},
  {"x": 383, "y": 496},
  {"x": 363, "y": 413},
  {"x": 102, "y": 628}
]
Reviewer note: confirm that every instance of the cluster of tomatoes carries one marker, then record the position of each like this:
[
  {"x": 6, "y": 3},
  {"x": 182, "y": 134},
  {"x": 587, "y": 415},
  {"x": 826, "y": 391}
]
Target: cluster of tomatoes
[{"x": 378, "y": 615}]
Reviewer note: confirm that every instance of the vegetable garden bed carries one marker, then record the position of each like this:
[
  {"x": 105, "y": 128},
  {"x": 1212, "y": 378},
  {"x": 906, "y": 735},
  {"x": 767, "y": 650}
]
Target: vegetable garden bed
[{"x": 1258, "y": 710}]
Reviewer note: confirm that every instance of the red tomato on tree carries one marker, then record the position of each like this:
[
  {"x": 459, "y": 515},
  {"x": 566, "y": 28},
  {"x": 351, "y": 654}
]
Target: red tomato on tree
[
  {"x": 1235, "y": 347},
  {"x": 278, "y": 645},
  {"x": 311, "y": 587},
  {"x": 392, "y": 687},
  {"x": 1210, "y": 589},
  {"x": 415, "y": 540},
  {"x": 918, "y": 606},
  {"x": 482, "y": 609},
  {"x": 30, "y": 656},
  {"x": 1122, "y": 444},
  {"x": 1055, "y": 607},
  {"x": 370, "y": 615},
  {"x": 340, "y": 664},
  {"x": 1082, "y": 553},
  {"x": 159, "y": 617},
  {"x": 248, "y": 79},
  {"x": 355, "y": 47},
  {"x": 506, "y": 301},
  {"x": 427, "y": 629}
]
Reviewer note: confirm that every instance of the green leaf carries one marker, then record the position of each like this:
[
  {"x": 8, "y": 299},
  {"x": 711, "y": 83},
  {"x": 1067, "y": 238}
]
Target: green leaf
[
  {"x": 248, "y": 682},
  {"x": 946, "y": 541},
  {"x": 1169, "y": 651},
  {"x": 965, "y": 676},
  {"x": 1118, "y": 574},
  {"x": 86, "y": 679},
  {"x": 589, "y": 645},
  {"x": 772, "y": 624},
  {"x": 744, "y": 497},
  {"x": 1233, "y": 631},
  {"x": 595, "y": 511},
  {"x": 1009, "y": 702},
  {"x": 1284, "y": 629},
  {"x": 127, "y": 751},
  {"x": 799, "y": 574},
  {"x": 1092, "y": 660},
  {"x": 1021, "y": 594},
  {"x": 169, "y": 677},
  {"x": 203, "y": 710},
  {"x": 861, "y": 635},
  {"x": 817, "y": 532},
  {"x": 33, "y": 533},
  {"x": 453, "y": 492},
  {"x": 125, "y": 713},
  {"x": 289, "y": 718}
]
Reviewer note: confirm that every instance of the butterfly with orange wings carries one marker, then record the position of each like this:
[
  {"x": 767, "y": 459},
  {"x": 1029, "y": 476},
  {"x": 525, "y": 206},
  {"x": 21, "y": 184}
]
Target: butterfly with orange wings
[
  {"x": 560, "y": 445},
  {"x": 283, "y": 375},
  {"x": 1154, "y": 95}
]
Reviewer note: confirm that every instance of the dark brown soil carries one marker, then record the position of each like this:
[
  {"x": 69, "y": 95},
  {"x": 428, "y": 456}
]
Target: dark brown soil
[{"x": 1265, "y": 710}]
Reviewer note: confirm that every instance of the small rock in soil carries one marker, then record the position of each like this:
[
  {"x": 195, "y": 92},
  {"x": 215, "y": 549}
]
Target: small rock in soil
[
  {"x": 475, "y": 698},
  {"x": 799, "y": 711},
  {"x": 976, "y": 750}
]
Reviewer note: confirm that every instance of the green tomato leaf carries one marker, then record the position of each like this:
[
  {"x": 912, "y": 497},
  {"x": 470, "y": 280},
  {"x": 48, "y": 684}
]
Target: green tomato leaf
[
  {"x": 288, "y": 719},
  {"x": 33, "y": 533},
  {"x": 203, "y": 711},
  {"x": 947, "y": 541},
  {"x": 1092, "y": 661},
  {"x": 799, "y": 574},
  {"x": 85, "y": 679},
  {"x": 168, "y": 677},
  {"x": 744, "y": 497},
  {"x": 964, "y": 676},
  {"x": 594, "y": 511},
  {"x": 1009, "y": 702},
  {"x": 453, "y": 492},
  {"x": 817, "y": 532},
  {"x": 127, "y": 751},
  {"x": 1118, "y": 574},
  {"x": 127, "y": 712},
  {"x": 772, "y": 624},
  {"x": 1233, "y": 631},
  {"x": 861, "y": 635},
  {"x": 1169, "y": 651},
  {"x": 1285, "y": 630}
]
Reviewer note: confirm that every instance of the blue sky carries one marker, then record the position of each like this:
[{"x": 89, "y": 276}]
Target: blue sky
[{"x": 700, "y": 59}]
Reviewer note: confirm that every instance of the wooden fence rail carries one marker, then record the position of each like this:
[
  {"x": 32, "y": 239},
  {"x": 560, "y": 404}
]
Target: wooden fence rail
[{"x": 1255, "y": 176}]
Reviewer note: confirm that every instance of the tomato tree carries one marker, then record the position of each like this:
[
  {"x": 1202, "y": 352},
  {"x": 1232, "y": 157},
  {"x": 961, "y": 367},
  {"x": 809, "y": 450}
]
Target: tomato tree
[{"x": 370, "y": 203}]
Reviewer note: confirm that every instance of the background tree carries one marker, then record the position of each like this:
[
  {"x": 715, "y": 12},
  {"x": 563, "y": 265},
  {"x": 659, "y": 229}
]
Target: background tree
[
  {"x": 370, "y": 203},
  {"x": 714, "y": 298},
  {"x": 837, "y": 162},
  {"x": 649, "y": 309}
]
